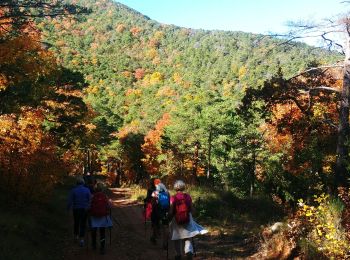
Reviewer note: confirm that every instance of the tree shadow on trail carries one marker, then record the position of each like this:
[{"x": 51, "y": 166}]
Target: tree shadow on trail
[{"x": 235, "y": 224}]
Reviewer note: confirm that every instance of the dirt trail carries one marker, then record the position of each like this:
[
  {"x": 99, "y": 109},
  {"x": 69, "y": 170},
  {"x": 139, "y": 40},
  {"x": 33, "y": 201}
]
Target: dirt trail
[{"x": 130, "y": 237}]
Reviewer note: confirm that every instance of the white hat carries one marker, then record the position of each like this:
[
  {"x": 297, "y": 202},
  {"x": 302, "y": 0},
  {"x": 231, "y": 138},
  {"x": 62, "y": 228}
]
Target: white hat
[{"x": 161, "y": 187}]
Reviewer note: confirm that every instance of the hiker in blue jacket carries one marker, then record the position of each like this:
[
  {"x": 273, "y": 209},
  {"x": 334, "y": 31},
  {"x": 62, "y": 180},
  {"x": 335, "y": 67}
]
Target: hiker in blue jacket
[{"x": 79, "y": 200}]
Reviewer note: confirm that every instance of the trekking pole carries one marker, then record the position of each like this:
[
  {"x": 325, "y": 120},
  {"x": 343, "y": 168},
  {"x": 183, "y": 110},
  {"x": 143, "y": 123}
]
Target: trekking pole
[
  {"x": 167, "y": 244},
  {"x": 110, "y": 228},
  {"x": 194, "y": 247},
  {"x": 88, "y": 231},
  {"x": 144, "y": 219}
]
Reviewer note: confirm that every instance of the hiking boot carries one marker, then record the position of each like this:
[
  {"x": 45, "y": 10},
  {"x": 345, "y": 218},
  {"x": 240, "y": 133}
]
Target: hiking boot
[{"x": 189, "y": 256}]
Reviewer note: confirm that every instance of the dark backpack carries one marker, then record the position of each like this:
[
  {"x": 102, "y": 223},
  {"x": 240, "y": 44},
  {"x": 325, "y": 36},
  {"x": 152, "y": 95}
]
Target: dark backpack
[
  {"x": 163, "y": 200},
  {"x": 99, "y": 205},
  {"x": 182, "y": 212}
]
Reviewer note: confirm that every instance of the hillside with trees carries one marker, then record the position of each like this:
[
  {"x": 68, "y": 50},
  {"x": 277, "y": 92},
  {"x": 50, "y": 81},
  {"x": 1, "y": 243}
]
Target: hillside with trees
[
  {"x": 168, "y": 100},
  {"x": 95, "y": 86}
]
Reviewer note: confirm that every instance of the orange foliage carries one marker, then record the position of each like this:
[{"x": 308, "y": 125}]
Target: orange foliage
[
  {"x": 18, "y": 52},
  {"x": 132, "y": 127},
  {"x": 154, "y": 43},
  {"x": 151, "y": 147},
  {"x": 139, "y": 73},
  {"x": 28, "y": 164},
  {"x": 127, "y": 74},
  {"x": 290, "y": 132},
  {"x": 135, "y": 31}
]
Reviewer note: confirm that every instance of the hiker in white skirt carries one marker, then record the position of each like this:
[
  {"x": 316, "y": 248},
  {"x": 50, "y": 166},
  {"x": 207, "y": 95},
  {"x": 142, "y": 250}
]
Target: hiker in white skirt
[
  {"x": 100, "y": 216},
  {"x": 182, "y": 227}
]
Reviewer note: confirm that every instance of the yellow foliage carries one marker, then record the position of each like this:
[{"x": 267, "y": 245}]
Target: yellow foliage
[
  {"x": 3, "y": 82},
  {"x": 326, "y": 230},
  {"x": 158, "y": 35},
  {"x": 328, "y": 164},
  {"x": 242, "y": 72},
  {"x": 28, "y": 159},
  {"x": 92, "y": 89},
  {"x": 166, "y": 91},
  {"x": 227, "y": 89},
  {"x": 319, "y": 110},
  {"x": 90, "y": 127},
  {"x": 177, "y": 78},
  {"x": 151, "y": 53},
  {"x": 75, "y": 62},
  {"x": 156, "y": 61},
  {"x": 127, "y": 74},
  {"x": 155, "y": 78},
  {"x": 120, "y": 28},
  {"x": 94, "y": 61}
]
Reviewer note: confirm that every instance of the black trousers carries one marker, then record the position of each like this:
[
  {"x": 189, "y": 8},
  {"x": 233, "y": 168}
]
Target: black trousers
[
  {"x": 102, "y": 237},
  {"x": 80, "y": 216}
]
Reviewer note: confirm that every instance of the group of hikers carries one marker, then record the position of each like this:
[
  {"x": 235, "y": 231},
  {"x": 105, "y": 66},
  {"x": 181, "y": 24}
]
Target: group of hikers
[
  {"x": 90, "y": 205},
  {"x": 171, "y": 216}
]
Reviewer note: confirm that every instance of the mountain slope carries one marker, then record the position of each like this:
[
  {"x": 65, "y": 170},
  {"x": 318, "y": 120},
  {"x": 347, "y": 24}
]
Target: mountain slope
[{"x": 139, "y": 70}]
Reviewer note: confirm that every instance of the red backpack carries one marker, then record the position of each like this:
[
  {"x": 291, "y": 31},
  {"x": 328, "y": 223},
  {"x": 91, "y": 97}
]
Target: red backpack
[
  {"x": 148, "y": 211},
  {"x": 182, "y": 212},
  {"x": 99, "y": 205}
]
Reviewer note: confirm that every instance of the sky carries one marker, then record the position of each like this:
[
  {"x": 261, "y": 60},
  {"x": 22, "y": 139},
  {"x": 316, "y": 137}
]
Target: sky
[{"x": 256, "y": 16}]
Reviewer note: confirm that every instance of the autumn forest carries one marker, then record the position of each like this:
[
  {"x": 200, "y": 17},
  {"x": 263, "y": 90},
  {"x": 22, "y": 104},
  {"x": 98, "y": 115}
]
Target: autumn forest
[{"x": 94, "y": 86}]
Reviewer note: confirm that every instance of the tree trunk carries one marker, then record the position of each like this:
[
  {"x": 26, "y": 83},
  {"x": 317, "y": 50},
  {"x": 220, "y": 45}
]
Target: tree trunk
[
  {"x": 209, "y": 153},
  {"x": 343, "y": 128},
  {"x": 252, "y": 174},
  {"x": 195, "y": 161}
]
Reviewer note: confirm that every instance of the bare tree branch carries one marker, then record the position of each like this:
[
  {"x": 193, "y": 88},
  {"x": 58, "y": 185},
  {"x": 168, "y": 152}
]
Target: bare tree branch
[{"x": 316, "y": 68}]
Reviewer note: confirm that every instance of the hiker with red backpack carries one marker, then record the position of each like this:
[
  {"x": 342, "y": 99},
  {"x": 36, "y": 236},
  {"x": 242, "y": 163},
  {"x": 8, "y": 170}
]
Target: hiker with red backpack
[
  {"x": 100, "y": 216},
  {"x": 183, "y": 227},
  {"x": 79, "y": 201}
]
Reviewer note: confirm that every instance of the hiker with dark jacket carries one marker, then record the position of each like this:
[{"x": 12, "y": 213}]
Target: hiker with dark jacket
[
  {"x": 150, "y": 190},
  {"x": 160, "y": 199},
  {"x": 79, "y": 201},
  {"x": 100, "y": 216},
  {"x": 182, "y": 226}
]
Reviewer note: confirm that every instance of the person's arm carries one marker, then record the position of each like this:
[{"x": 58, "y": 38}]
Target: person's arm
[
  {"x": 89, "y": 197},
  {"x": 109, "y": 203},
  {"x": 171, "y": 209}
]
